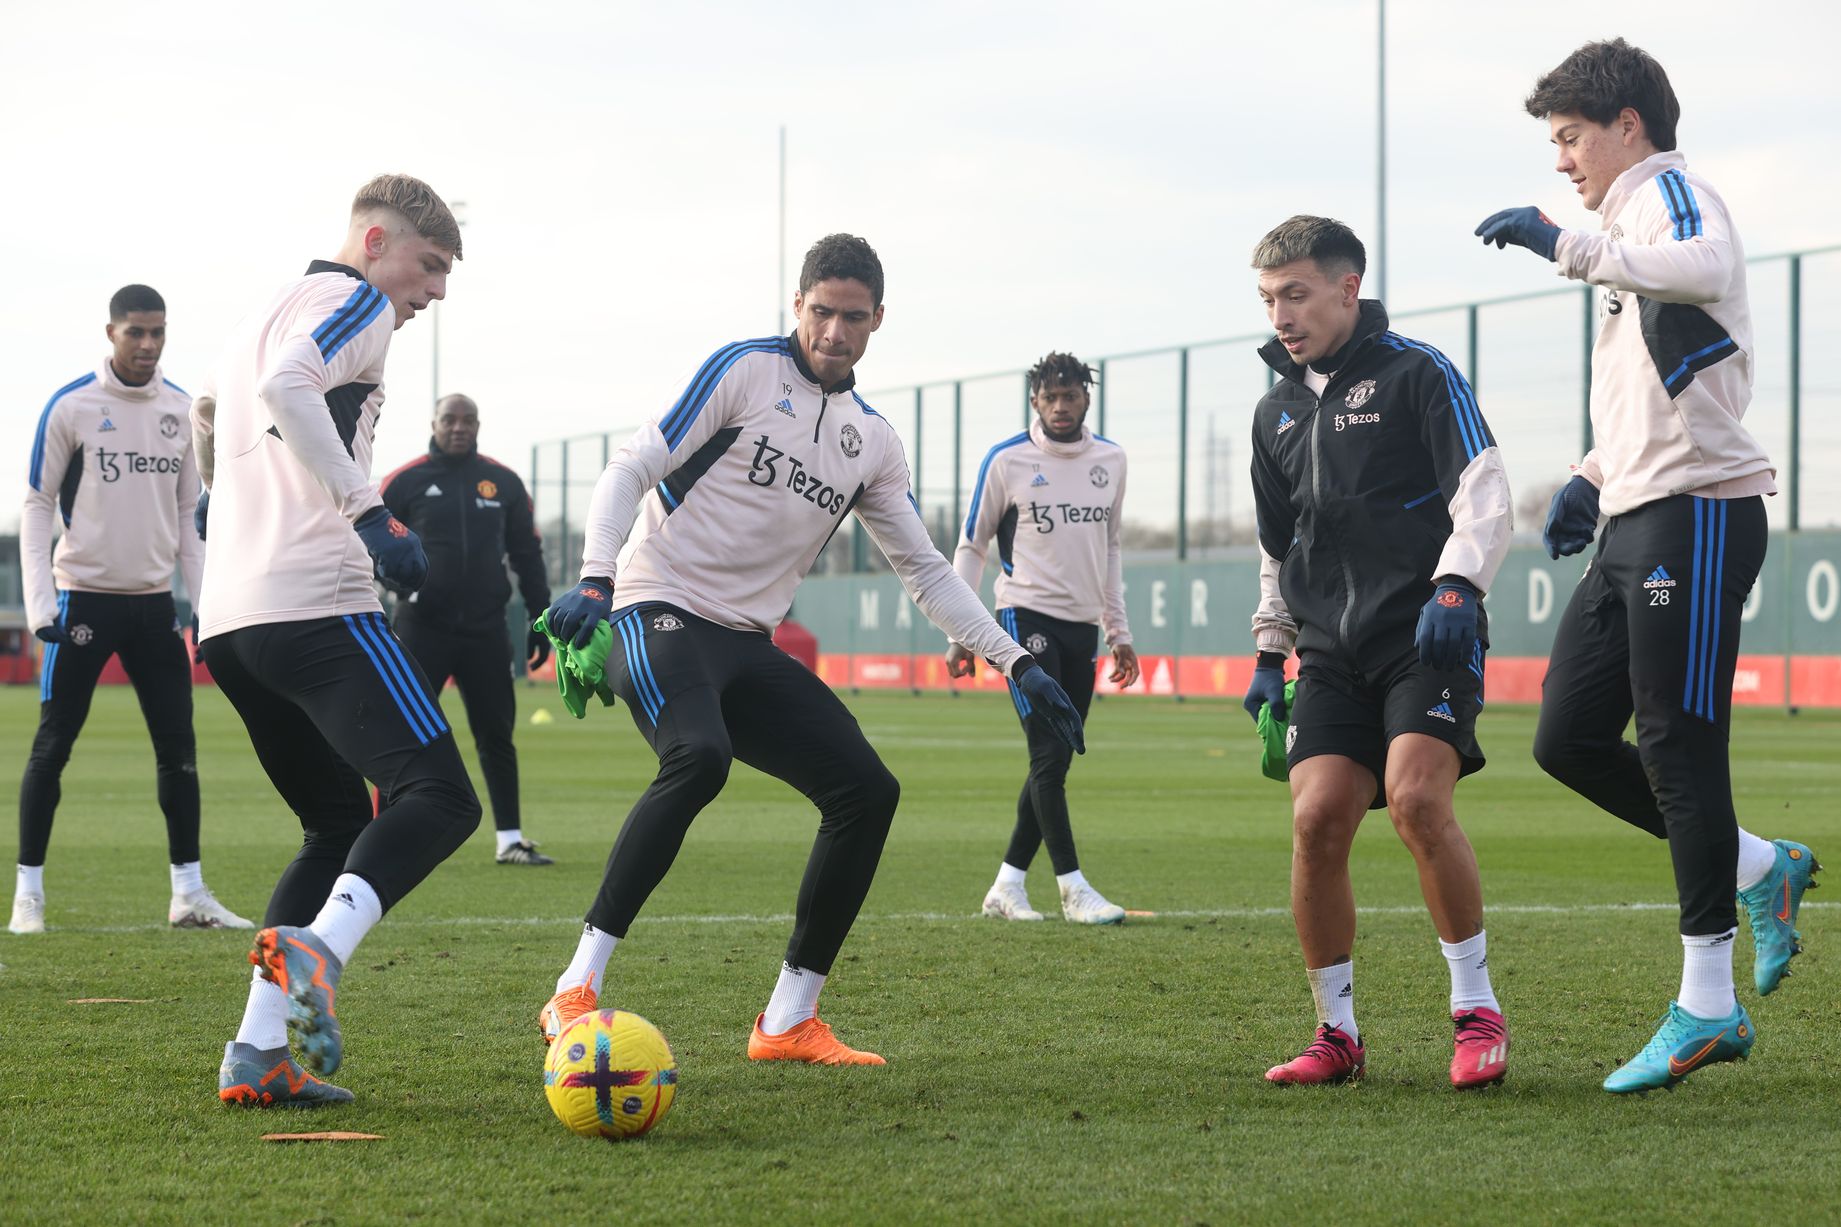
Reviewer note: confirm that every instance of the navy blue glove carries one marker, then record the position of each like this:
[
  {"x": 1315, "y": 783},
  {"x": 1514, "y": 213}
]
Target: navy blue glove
[
  {"x": 1267, "y": 686},
  {"x": 52, "y": 634},
  {"x": 537, "y": 650},
  {"x": 1525, "y": 227},
  {"x": 1572, "y": 518},
  {"x": 201, "y": 512},
  {"x": 1447, "y": 631},
  {"x": 574, "y": 615},
  {"x": 1047, "y": 701},
  {"x": 396, "y": 552}
]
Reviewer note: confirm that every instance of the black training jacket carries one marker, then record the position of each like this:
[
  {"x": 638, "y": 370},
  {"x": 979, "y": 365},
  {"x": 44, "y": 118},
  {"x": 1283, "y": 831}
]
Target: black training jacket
[
  {"x": 1355, "y": 492},
  {"x": 472, "y": 514}
]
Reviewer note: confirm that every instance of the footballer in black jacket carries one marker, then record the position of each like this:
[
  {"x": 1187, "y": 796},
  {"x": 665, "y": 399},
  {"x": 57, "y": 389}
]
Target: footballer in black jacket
[{"x": 1384, "y": 515}]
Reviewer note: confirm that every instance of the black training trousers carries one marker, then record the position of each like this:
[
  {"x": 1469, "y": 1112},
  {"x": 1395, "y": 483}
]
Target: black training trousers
[
  {"x": 1653, "y": 630},
  {"x": 704, "y": 695},
  {"x": 144, "y": 632},
  {"x": 1067, "y": 651},
  {"x": 480, "y": 665},
  {"x": 330, "y": 703}
]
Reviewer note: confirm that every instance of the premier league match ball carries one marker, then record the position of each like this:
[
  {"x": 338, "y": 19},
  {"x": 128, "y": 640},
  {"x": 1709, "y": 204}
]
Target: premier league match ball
[{"x": 610, "y": 1074}]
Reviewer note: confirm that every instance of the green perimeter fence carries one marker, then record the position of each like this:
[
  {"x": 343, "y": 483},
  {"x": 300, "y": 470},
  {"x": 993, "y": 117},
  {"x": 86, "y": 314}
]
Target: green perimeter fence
[{"x": 1182, "y": 413}]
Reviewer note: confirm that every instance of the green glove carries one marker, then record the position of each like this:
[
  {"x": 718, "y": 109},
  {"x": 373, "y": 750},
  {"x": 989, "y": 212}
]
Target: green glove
[
  {"x": 1272, "y": 737},
  {"x": 581, "y": 672}
]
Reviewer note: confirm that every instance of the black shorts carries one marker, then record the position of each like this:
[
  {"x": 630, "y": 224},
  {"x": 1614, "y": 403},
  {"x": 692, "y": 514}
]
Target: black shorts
[{"x": 1357, "y": 714}]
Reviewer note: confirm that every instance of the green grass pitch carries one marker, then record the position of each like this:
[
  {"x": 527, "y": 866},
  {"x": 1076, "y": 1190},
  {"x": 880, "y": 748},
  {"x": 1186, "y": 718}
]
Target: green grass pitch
[{"x": 1037, "y": 1073}]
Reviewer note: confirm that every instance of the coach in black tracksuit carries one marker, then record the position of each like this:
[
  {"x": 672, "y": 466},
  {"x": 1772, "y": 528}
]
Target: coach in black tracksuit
[{"x": 473, "y": 515}]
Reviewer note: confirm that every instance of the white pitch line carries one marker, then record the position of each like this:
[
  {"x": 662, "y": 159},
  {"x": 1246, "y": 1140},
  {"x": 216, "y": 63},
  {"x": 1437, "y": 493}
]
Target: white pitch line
[{"x": 1228, "y": 913}]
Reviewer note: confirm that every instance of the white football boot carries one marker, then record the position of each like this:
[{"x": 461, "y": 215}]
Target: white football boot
[
  {"x": 201, "y": 910},
  {"x": 28, "y": 914},
  {"x": 1083, "y": 905},
  {"x": 1009, "y": 901}
]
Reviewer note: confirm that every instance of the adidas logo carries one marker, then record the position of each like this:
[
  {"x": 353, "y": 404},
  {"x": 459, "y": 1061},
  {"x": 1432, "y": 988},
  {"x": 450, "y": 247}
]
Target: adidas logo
[
  {"x": 1039, "y": 480},
  {"x": 1285, "y": 421},
  {"x": 432, "y": 492},
  {"x": 1658, "y": 578},
  {"x": 1348, "y": 990},
  {"x": 1443, "y": 712},
  {"x": 786, "y": 407},
  {"x": 346, "y": 898}
]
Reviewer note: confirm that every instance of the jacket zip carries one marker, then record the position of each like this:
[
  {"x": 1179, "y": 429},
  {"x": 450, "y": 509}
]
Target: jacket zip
[
  {"x": 824, "y": 402},
  {"x": 1316, "y": 493}
]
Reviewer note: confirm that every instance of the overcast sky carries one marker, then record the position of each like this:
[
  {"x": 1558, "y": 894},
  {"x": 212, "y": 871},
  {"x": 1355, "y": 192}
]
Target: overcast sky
[{"x": 1069, "y": 175}]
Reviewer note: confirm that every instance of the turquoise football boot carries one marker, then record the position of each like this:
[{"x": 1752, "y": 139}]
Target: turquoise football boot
[
  {"x": 257, "y": 1078},
  {"x": 1772, "y": 905},
  {"x": 308, "y": 972},
  {"x": 1682, "y": 1045}
]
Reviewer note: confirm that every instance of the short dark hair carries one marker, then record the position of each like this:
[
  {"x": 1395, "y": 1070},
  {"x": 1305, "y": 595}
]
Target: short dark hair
[
  {"x": 842, "y": 256},
  {"x": 1600, "y": 79},
  {"x": 1323, "y": 239},
  {"x": 134, "y": 298},
  {"x": 1059, "y": 368}
]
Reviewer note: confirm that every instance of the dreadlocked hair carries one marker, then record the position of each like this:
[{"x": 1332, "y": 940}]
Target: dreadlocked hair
[{"x": 1060, "y": 368}]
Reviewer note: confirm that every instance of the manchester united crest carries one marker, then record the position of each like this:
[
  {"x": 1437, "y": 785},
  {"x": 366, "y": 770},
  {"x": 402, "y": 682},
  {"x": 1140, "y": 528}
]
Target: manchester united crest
[
  {"x": 1359, "y": 394},
  {"x": 1037, "y": 643},
  {"x": 851, "y": 441},
  {"x": 488, "y": 489},
  {"x": 169, "y": 426},
  {"x": 667, "y": 622},
  {"x": 1100, "y": 477}
]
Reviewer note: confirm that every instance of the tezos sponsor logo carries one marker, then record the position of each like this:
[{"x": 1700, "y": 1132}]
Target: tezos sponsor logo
[
  {"x": 851, "y": 441},
  {"x": 1345, "y": 420},
  {"x": 667, "y": 622},
  {"x": 1359, "y": 394}
]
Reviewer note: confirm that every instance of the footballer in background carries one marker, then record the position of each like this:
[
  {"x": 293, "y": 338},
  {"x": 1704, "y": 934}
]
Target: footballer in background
[{"x": 1052, "y": 498}]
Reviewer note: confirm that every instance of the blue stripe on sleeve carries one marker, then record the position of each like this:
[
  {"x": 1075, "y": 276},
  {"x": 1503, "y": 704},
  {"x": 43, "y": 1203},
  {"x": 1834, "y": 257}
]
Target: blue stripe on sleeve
[
  {"x": 36, "y": 470},
  {"x": 365, "y": 305},
  {"x": 1683, "y": 208},
  {"x": 676, "y": 424},
  {"x": 665, "y": 494},
  {"x": 984, "y": 469},
  {"x": 1471, "y": 428}
]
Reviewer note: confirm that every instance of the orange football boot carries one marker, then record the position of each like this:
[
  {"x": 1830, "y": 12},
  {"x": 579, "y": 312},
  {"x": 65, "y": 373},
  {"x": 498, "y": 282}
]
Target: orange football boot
[
  {"x": 563, "y": 1009},
  {"x": 811, "y": 1041}
]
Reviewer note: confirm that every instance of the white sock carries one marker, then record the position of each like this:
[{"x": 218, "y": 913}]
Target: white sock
[
  {"x": 1469, "y": 962},
  {"x": 188, "y": 879},
  {"x": 1756, "y": 858},
  {"x": 350, "y": 911},
  {"x": 1010, "y": 874},
  {"x": 795, "y": 999},
  {"x": 589, "y": 966},
  {"x": 1068, "y": 881},
  {"x": 1333, "y": 989},
  {"x": 30, "y": 881},
  {"x": 1706, "y": 974},
  {"x": 510, "y": 838},
  {"x": 265, "y": 1018}
]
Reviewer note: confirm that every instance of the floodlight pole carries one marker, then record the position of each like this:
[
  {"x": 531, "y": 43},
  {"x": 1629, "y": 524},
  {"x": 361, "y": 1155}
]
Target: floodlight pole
[
  {"x": 1380, "y": 140},
  {"x": 458, "y": 208},
  {"x": 782, "y": 282}
]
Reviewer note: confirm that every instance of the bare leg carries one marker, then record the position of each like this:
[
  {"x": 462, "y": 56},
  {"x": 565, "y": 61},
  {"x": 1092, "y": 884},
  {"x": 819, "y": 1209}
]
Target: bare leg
[
  {"x": 1422, "y": 774},
  {"x": 1329, "y": 796}
]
